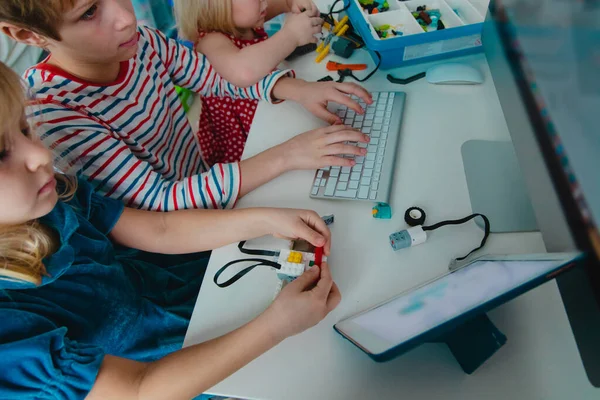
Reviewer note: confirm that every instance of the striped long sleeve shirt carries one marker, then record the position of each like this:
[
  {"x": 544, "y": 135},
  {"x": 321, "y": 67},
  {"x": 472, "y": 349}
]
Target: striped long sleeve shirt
[{"x": 131, "y": 139}]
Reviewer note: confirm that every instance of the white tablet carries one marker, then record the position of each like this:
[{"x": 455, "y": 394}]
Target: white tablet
[{"x": 426, "y": 312}]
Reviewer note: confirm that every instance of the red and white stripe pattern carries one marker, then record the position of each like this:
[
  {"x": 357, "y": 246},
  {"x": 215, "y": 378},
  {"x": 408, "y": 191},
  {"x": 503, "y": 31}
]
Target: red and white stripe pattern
[{"x": 131, "y": 139}]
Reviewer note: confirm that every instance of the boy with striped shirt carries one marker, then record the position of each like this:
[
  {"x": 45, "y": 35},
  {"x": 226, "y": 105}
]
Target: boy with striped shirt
[{"x": 106, "y": 105}]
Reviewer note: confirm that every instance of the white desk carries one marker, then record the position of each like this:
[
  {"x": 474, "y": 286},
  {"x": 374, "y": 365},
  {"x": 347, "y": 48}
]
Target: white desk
[{"x": 540, "y": 360}]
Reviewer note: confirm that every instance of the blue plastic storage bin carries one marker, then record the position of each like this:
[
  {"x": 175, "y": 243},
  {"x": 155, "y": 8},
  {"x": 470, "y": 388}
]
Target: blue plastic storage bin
[{"x": 463, "y": 20}]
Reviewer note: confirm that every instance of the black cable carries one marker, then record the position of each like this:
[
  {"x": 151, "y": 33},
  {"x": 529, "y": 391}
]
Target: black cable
[
  {"x": 256, "y": 252},
  {"x": 347, "y": 72},
  {"x": 486, "y": 233},
  {"x": 243, "y": 272}
]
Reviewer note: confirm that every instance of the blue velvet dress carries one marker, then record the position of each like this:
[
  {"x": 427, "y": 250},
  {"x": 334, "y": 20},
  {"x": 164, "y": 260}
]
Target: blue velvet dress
[{"x": 96, "y": 299}]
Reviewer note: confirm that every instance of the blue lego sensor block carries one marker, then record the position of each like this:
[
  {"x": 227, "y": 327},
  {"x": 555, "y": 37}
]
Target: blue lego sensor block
[
  {"x": 400, "y": 240},
  {"x": 407, "y": 238}
]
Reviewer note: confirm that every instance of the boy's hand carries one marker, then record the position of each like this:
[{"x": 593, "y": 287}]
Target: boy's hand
[
  {"x": 287, "y": 223},
  {"x": 299, "y": 6},
  {"x": 302, "y": 28},
  {"x": 303, "y": 303},
  {"x": 320, "y": 148},
  {"x": 315, "y": 96}
]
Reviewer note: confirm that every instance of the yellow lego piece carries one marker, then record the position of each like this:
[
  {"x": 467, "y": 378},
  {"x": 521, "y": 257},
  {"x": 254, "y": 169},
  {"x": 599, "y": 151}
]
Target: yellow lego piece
[
  {"x": 295, "y": 257},
  {"x": 341, "y": 24}
]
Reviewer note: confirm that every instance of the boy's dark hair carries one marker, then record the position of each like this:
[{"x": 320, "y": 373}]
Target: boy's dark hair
[{"x": 39, "y": 16}]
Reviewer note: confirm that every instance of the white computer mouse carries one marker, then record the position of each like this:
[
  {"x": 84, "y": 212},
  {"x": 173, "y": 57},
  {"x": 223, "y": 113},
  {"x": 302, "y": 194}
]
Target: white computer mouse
[{"x": 454, "y": 74}]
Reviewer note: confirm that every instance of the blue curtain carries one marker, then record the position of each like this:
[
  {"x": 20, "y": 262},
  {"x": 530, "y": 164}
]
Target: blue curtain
[{"x": 157, "y": 14}]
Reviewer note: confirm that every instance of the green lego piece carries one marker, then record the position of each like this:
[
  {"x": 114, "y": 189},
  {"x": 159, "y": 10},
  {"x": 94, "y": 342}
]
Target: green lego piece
[{"x": 382, "y": 211}]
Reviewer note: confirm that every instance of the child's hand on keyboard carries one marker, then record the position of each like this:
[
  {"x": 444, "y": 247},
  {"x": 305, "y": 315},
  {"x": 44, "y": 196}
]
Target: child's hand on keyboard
[
  {"x": 315, "y": 96},
  {"x": 321, "y": 148}
]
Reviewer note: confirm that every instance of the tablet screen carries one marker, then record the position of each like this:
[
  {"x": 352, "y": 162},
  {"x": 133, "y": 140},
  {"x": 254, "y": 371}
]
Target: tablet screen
[{"x": 429, "y": 306}]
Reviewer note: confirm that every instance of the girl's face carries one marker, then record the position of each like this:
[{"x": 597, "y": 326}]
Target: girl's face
[
  {"x": 248, "y": 14},
  {"x": 27, "y": 183}
]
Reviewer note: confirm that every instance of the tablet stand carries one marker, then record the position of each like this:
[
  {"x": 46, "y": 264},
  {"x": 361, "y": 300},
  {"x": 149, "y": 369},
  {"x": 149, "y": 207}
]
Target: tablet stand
[{"x": 474, "y": 342}]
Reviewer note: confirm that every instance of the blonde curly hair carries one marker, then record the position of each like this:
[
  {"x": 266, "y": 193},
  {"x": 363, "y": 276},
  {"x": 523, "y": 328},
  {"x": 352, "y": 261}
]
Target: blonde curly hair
[
  {"x": 23, "y": 247},
  {"x": 194, "y": 16}
]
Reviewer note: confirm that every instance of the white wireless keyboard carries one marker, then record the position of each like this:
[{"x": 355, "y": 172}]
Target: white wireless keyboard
[{"x": 371, "y": 178}]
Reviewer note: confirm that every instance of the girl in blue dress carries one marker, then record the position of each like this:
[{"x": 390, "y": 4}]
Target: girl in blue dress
[{"x": 81, "y": 317}]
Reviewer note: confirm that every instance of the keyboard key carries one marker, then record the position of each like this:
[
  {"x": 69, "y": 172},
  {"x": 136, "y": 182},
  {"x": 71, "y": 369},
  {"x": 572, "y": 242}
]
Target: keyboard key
[
  {"x": 334, "y": 173},
  {"x": 370, "y": 157},
  {"x": 388, "y": 115},
  {"x": 380, "y": 159},
  {"x": 315, "y": 191},
  {"x": 353, "y": 185},
  {"x": 379, "y": 114},
  {"x": 366, "y": 130},
  {"x": 372, "y": 195},
  {"x": 344, "y": 177},
  {"x": 357, "y": 125},
  {"x": 323, "y": 182},
  {"x": 355, "y": 176},
  {"x": 372, "y": 148},
  {"x": 378, "y": 167},
  {"x": 350, "y": 114},
  {"x": 377, "y": 120},
  {"x": 359, "y": 159},
  {"x": 375, "y": 134},
  {"x": 317, "y": 182},
  {"x": 384, "y": 95},
  {"x": 377, "y": 127},
  {"x": 374, "y": 141},
  {"x": 369, "y": 164},
  {"x": 375, "y": 96},
  {"x": 391, "y": 96},
  {"x": 374, "y": 185},
  {"x": 350, "y": 194},
  {"x": 357, "y": 168},
  {"x": 348, "y": 121},
  {"x": 367, "y": 173},
  {"x": 346, "y": 170},
  {"x": 380, "y": 151},
  {"x": 383, "y": 142},
  {"x": 376, "y": 177},
  {"x": 369, "y": 116},
  {"x": 320, "y": 173},
  {"x": 368, "y": 123},
  {"x": 363, "y": 192},
  {"x": 366, "y": 180},
  {"x": 359, "y": 118},
  {"x": 384, "y": 135},
  {"x": 342, "y": 185},
  {"x": 330, "y": 188},
  {"x": 325, "y": 169},
  {"x": 386, "y": 128},
  {"x": 363, "y": 145}
]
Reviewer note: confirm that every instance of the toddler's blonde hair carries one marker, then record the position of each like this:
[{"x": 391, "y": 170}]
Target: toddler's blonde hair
[
  {"x": 194, "y": 16},
  {"x": 23, "y": 247}
]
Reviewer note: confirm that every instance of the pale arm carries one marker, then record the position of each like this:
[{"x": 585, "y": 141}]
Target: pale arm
[
  {"x": 250, "y": 64},
  {"x": 185, "y": 373}
]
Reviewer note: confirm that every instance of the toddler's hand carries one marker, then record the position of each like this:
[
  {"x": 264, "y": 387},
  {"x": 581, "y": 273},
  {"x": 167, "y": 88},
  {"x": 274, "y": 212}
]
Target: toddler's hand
[
  {"x": 322, "y": 147},
  {"x": 302, "y": 28},
  {"x": 303, "y": 303}
]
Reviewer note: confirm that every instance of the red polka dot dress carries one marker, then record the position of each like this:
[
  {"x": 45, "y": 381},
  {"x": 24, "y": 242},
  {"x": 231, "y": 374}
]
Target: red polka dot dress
[{"x": 225, "y": 122}]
